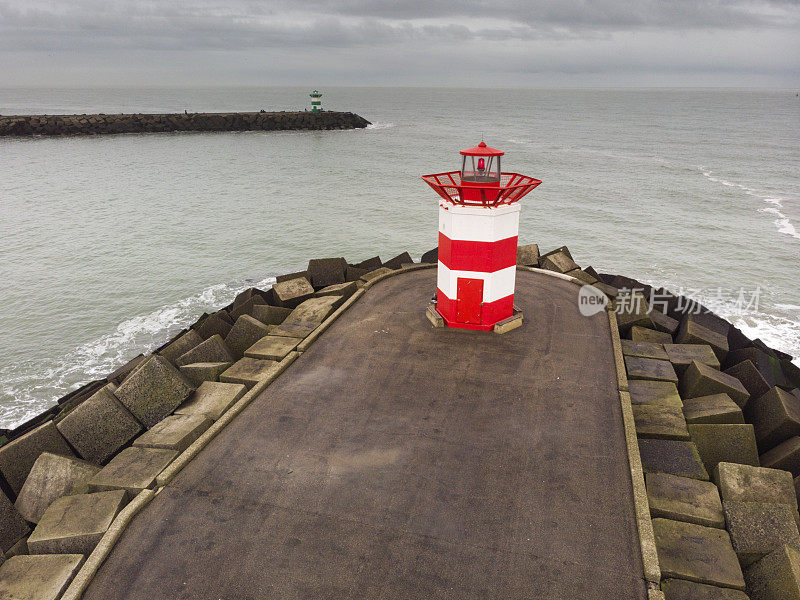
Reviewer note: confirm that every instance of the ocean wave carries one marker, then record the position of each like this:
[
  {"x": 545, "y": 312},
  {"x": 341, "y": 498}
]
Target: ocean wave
[
  {"x": 782, "y": 222},
  {"x": 35, "y": 385},
  {"x": 381, "y": 125}
]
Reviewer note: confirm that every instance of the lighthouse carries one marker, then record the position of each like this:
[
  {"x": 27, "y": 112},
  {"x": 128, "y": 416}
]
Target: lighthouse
[{"x": 478, "y": 231}]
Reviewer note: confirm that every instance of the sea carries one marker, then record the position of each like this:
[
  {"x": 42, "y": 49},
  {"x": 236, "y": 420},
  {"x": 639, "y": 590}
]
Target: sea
[{"x": 111, "y": 244}]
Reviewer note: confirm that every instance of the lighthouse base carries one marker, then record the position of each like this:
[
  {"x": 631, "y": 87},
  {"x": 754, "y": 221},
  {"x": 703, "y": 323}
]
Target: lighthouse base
[{"x": 437, "y": 319}]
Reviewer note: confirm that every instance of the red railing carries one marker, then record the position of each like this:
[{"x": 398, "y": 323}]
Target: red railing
[{"x": 513, "y": 187}]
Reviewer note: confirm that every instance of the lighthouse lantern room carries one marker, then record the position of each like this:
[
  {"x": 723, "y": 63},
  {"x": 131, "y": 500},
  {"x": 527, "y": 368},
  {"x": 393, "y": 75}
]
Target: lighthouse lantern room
[{"x": 478, "y": 231}]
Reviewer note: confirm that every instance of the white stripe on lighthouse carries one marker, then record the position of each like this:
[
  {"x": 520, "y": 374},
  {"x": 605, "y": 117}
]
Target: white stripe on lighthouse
[
  {"x": 496, "y": 285},
  {"x": 478, "y": 223}
]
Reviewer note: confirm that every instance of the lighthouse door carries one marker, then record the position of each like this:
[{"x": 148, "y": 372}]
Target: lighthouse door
[{"x": 469, "y": 300}]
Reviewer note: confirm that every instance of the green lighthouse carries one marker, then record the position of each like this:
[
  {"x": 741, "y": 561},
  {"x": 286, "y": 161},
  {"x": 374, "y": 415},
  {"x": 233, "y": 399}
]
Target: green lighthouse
[{"x": 316, "y": 103}]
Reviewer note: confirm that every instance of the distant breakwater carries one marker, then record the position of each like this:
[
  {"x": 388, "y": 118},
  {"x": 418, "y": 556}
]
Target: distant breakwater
[{"x": 30, "y": 125}]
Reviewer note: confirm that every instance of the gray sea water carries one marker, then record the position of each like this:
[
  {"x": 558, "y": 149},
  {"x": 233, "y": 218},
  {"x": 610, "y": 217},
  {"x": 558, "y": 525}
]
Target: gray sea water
[{"x": 108, "y": 245}]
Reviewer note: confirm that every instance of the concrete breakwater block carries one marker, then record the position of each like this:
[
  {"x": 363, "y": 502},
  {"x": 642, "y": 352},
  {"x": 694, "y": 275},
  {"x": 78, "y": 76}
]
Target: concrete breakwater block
[
  {"x": 307, "y": 317},
  {"x": 560, "y": 262},
  {"x": 660, "y": 422},
  {"x": 633, "y": 310},
  {"x": 672, "y": 457},
  {"x": 75, "y": 524},
  {"x": 326, "y": 271},
  {"x": 292, "y": 292},
  {"x": 646, "y": 334},
  {"x": 213, "y": 324},
  {"x": 664, "y": 323},
  {"x": 197, "y": 373},
  {"x": 345, "y": 290},
  {"x": 12, "y": 526},
  {"x": 370, "y": 275},
  {"x": 701, "y": 380},
  {"x": 212, "y": 399},
  {"x": 682, "y": 355},
  {"x": 212, "y": 350},
  {"x": 697, "y": 553},
  {"x": 643, "y": 391},
  {"x": 248, "y": 371},
  {"x": 776, "y": 576},
  {"x": 134, "y": 469},
  {"x": 180, "y": 346},
  {"x": 118, "y": 375},
  {"x": 18, "y": 456},
  {"x": 746, "y": 483},
  {"x": 431, "y": 257},
  {"x": 758, "y": 528},
  {"x": 154, "y": 391},
  {"x": 40, "y": 577},
  {"x": 751, "y": 378},
  {"x": 51, "y": 478},
  {"x": 684, "y": 499},
  {"x": 775, "y": 417},
  {"x": 404, "y": 258},
  {"x": 716, "y": 408},
  {"x": 271, "y": 315},
  {"x": 725, "y": 442},
  {"x": 644, "y": 350},
  {"x": 176, "y": 432},
  {"x": 582, "y": 276},
  {"x": 769, "y": 366},
  {"x": 527, "y": 255},
  {"x": 650, "y": 369},
  {"x": 678, "y": 589},
  {"x": 245, "y": 332},
  {"x": 99, "y": 427},
  {"x": 784, "y": 456},
  {"x": 272, "y": 347},
  {"x": 247, "y": 307},
  {"x": 692, "y": 332},
  {"x": 369, "y": 264}
]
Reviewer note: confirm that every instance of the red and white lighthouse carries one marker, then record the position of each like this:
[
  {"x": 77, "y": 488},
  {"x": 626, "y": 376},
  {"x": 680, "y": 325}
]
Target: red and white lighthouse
[{"x": 478, "y": 230}]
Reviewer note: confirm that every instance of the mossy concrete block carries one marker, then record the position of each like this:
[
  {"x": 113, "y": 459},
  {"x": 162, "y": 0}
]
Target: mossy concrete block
[
  {"x": 692, "y": 332},
  {"x": 99, "y": 427},
  {"x": 370, "y": 264},
  {"x": 684, "y": 499},
  {"x": 724, "y": 442},
  {"x": 345, "y": 290},
  {"x": 562, "y": 249},
  {"x": 697, "y": 553},
  {"x": 272, "y": 347},
  {"x": 663, "y": 322},
  {"x": 355, "y": 274},
  {"x": 678, "y": 589},
  {"x": 716, "y": 408},
  {"x": 559, "y": 262},
  {"x": 654, "y": 392},
  {"x": 611, "y": 293},
  {"x": 197, "y": 373},
  {"x": 175, "y": 432},
  {"x": 672, "y": 457},
  {"x": 12, "y": 526},
  {"x": 776, "y": 576},
  {"x": 40, "y": 577},
  {"x": 154, "y": 391},
  {"x": 758, "y": 528},
  {"x": 370, "y": 275},
  {"x": 180, "y": 346},
  {"x": 644, "y": 350},
  {"x": 647, "y": 334},
  {"x": 248, "y": 371},
  {"x": 682, "y": 355},
  {"x": 527, "y": 255},
  {"x": 326, "y": 271},
  {"x": 291, "y": 276},
  {"x": 75, "y": 524},
  {"x": 292, "y": 292},
  {"x": 18, "y": 455},
  {"x": 213, "y": 324},
  {"x": 775, "y": 417},
  {"x": 271, "y": 315},
  {"x": 134, "y": 469},
  {"x": 431, "y": 257},
  {"x": 212, "y": 350},
  {"x": 769, "y": 366},
  {"x": 212, "y": 399},
  {"x": 246, "y": 332},
  {"x": 583, "y": 276},
  {"x": 660, "y": 422},
  {"x": 751, "y": 378},
  {"x": 247, "y": 307},
  {"x": 404, "y": 258},
  {"x": 18, "y": 549},
  {"x": 784, "y": 456},
  {"x": 307, "y": 317},
  {"x": 633, "y": 310},
  {"x": 51, "y": 478},
  {"x": 650, "y": 369},
  {"x": 118, "y": 375},
  {"x": 701, "y": 380},
  {"x": 746, "y": 483}
]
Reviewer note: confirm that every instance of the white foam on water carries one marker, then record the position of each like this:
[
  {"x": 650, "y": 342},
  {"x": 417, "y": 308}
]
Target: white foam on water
[
  {"x": 34, "y": 385},
  {"x": 380, "y": 125},
  {"x": 782, "y": 222}
]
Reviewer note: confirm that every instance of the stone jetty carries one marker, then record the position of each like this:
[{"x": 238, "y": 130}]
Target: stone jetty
[
  {"x": 29, "y": 125},
  {"x": 650, "y": 450}
]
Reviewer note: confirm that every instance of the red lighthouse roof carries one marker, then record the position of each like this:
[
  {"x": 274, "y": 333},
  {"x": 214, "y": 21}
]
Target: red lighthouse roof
[{"x": 482, "y": 150}]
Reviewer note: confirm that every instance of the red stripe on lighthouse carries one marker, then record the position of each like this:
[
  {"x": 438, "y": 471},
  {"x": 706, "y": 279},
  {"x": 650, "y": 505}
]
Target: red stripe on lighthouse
[
  {"x": 485, "y": 257},
  {"x": 492, "y": 312}
]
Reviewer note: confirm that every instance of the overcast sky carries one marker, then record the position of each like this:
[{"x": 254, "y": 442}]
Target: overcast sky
[{"x": 509, "y": 43}]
